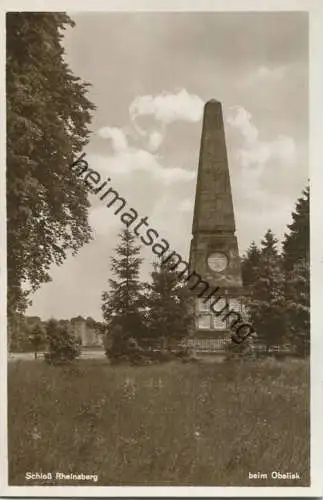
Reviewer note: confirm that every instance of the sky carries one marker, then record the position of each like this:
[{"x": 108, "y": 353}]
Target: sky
[{"x": 150, "y": 75}]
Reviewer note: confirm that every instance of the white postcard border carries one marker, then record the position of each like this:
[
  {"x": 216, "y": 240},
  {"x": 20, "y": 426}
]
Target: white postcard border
[{"x": 315, "y": 9}]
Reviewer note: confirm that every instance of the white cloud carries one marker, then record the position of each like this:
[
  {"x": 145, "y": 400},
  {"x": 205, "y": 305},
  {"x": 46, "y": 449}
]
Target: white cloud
[
  {"x": 151, "y": 189},
  {"x": 257, "y": 153},
  {"x": 285, "y": 148},
  {"x": 118, "y": 137},
  {"x": 167, "y": 107},
  {"x": 240, "y": 119},
  {"x": 138, "y": 169},
  {"x": 155, "y": 140},
  {"x": 139, "y": 160},
  {"x": 263, "y": 75},
  {"x": 101, "y": 221},
  {"x": 262, "y": 168}
]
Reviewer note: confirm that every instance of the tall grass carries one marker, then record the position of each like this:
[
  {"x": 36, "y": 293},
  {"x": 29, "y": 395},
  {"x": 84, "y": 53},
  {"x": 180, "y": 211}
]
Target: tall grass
[{"x": 203, "y": 424}]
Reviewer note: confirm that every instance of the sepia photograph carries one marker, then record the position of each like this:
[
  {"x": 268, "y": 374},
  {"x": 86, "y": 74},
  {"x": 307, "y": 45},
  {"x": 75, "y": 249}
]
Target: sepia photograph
[{"x": 158, "y": 271}]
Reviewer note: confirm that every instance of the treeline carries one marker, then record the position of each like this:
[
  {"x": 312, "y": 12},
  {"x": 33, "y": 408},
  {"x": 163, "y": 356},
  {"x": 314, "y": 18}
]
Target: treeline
[
  {"x": 144, "y": 319},
  {"x": 140, "y": 315},
  {"x": 29, "y": 333},
  {"x": 278, "y": 284}
]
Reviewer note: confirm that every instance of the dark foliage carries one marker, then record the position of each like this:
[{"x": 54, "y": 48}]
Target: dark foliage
[
  {"x": 296, "y": 259},
  {"x": 169, "y": 318},
  {"x": 278, "y": 286},
  {"x": 266, "y": 295},
  {"x": 47, "y": 117},
  {"x": 296, "y": 245},
  {"x": 37, "y": 339},
  {"x": 63, "y": 347},
  {"x": 250, "y": 264},
  {"x": 123, "y": 305}
]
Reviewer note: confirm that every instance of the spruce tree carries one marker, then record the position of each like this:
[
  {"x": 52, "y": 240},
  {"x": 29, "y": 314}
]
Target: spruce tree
[
  {"x": 297, "y": 268},
  {"x": 250, "y": 264},
  {"x": 170, "y": 316},
  {"x": 296, "y": 245},
  {"x": 123, "y": 304},
  {"x": 266, "y": 299},
  {"x": 298, "y": 307}
]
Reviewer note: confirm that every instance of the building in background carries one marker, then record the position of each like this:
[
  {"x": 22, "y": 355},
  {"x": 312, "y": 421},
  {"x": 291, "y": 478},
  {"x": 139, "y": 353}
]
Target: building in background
[{"x": 87, "y": 330}]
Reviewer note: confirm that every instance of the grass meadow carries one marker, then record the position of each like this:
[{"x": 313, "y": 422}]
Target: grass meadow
[{"x": 173, "y": 424}]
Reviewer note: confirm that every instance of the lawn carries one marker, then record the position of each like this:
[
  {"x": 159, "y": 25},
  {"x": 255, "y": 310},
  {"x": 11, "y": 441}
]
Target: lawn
[{"x": 173, "y": 424}]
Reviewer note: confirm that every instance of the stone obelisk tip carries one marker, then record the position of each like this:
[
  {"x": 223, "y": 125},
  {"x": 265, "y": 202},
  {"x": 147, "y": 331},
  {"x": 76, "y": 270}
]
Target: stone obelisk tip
[{"x": 212, "y": 101}]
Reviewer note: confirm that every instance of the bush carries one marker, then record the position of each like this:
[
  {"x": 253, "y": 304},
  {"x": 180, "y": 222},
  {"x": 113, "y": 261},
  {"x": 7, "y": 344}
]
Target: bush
[
  {"x": 63, "y": 346},
  {"x": 120, "y": 348},
  {"x": 243, "y": 350}
]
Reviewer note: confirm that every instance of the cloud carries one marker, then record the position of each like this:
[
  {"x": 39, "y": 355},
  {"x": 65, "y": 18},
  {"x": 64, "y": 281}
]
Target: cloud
[
  {"x": 101, "y": 221},
  {"x": 240, "y": 119},
  {"x": 257, "y": 153},
  {"x": 264, "y": 75},
  {"x": 118, "y": 137},
  {"x": 281, "y": 149},
  {"x": 155, "y": 140},
  {"x": 168, "y": 108},
  {"x": 263, "y": 171},
  {"x": 159, "y": 192},
  {"x": 136, "y": 161}
]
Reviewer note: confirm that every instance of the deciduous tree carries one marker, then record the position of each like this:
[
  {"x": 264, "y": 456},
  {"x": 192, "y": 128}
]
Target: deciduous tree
[
  {"x": 47, "y": 127},
  {"x": 63, "y": 346}
]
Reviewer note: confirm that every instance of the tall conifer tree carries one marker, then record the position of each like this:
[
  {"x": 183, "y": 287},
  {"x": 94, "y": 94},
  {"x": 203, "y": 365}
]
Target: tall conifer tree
[
  {"x": 123, "y": 304},
  {"x": 169, "y": 317},
  {"x": 296, "y": 245},
  {"x": 266, "y": 300},
  {"x": 250, "y": 264},
  {"x": 296, "y": 258}
]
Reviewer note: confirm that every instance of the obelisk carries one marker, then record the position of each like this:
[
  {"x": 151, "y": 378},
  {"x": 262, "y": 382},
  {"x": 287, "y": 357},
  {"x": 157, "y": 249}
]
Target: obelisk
[{"x": 214, "y": 251}]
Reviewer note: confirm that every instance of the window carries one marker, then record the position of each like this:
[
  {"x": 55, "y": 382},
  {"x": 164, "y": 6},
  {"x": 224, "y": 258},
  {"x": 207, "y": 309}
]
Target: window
[
  {"x": 219, "y": 323},
  {"x": 235, "y": 305},
  {"x": 217, "y": 319},
  {"x": 207, "y": 319},
  {"x": 203, "y": 305},
  {"x": 219, "y": 305},
  {"x": 204, "y": 321}
]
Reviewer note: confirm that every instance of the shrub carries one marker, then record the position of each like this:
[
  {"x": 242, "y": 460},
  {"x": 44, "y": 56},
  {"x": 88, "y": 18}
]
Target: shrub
[
  {"x": 243, "y": 350},
  {"x": 119, "y": 348},
  {"x": 63, "y": 346}
]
